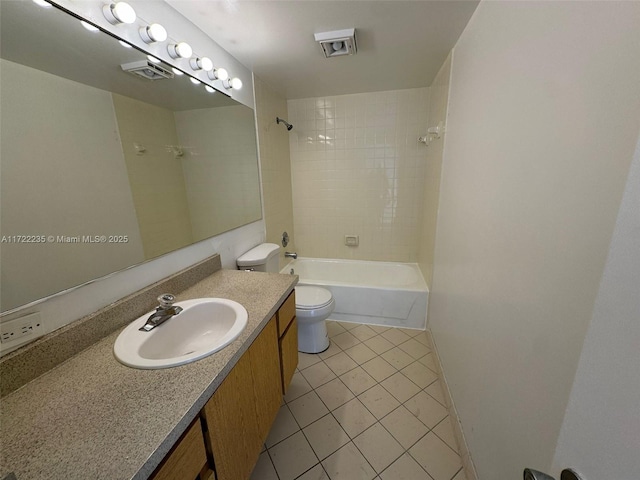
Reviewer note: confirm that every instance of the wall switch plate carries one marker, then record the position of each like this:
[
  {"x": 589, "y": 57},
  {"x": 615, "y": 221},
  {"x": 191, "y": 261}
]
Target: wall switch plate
[
  {"x": 18, "y": 331},
  {"x": 352, "y": 240}
]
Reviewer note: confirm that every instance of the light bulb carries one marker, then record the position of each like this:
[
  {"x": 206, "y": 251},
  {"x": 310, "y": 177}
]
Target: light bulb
[
  {"x": 88, "y": 26},
  {"x": 177, "y": 72},
  {"x": 153, "y": 59},
  {"x": 234, "y": 83},
  {"x": 337, "y": 46},
  {"x": 195, "y": 81},
  {"x": 209, "y": 89},
  {"x": 124, "y": 44},
  {"x": 218, "y": 74},
  {"x": 153, "y": 33},
  {"x": 180, "y": 50},
  {"x": 202, "y": 63},
  {"x": 42, "y": 3},
  {"x": 119, "y": 12}
]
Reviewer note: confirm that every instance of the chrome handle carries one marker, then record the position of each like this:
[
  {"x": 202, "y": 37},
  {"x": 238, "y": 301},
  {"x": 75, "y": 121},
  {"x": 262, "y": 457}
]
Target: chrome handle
[{"x": 166, "y": 300}]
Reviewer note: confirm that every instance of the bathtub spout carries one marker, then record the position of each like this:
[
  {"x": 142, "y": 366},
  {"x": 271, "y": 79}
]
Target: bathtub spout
[{"x": 291, "y": 255}]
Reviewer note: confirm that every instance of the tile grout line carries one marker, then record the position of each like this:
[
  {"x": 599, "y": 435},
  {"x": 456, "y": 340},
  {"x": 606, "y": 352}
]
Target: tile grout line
[{"x": 313, "y": 389}]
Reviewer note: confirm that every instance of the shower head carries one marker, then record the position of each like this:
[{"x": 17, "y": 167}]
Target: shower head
[{"x": 288, "y": 125}]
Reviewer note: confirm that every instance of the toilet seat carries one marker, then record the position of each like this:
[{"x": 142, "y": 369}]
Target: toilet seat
[{"x": 312, "y": 298}]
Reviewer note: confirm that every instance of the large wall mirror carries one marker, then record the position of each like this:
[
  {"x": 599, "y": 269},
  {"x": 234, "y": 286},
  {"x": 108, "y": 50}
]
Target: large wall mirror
[{"x": 102, "y": 168}]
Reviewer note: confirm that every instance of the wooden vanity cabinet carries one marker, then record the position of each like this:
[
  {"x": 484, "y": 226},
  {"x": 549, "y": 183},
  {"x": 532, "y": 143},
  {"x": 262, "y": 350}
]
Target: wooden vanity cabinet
[
  {"x": 288, "y": 340},
  {"x": 240, "y": 413},
  {"x": 265, "y": 372},
  {"x": 225, "y": 441},
  {"x": 187, "y": 460}
]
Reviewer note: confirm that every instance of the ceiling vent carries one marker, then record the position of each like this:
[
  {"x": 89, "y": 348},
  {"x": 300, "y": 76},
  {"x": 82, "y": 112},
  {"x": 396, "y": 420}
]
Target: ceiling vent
[
  {"x": 146, "y": 69},
  {"x": 338, "y": 42}
]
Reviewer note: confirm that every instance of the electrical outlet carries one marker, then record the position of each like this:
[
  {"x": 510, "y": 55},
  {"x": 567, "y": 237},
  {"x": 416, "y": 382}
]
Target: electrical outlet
[{"x": 18, "y": 331}]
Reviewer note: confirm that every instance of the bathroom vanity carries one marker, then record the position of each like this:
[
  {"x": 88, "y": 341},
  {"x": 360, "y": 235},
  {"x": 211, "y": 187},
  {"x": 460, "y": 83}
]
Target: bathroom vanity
[{"x": 92, "y": 417}]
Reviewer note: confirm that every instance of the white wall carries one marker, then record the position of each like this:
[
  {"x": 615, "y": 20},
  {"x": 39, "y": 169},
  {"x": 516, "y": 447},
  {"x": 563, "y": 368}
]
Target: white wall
[
  {"x": 438, "y": 102},
  {"x": 64, "y": 175},
  {"x": 544, "y": 117},
  {"x": 275, "y": 167},
  {"x": 600, "y": 434}
]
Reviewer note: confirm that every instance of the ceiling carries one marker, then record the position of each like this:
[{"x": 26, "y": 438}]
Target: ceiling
[{"x": 401, "y": 44}]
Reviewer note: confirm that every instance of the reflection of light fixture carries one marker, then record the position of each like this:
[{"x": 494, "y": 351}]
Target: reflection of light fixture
[
  {"x": 234, "y": 83},
  {"x": 42, "y": 3},
  {"x": 195, "y": 81},
  {"x": 153, "y": 59},
  {"x": 88, "y": 26},
  {"x": 177, "y": 72},
  {"x": 209, "y": 89},
  {"x": 124, "y": 44},
  {"x": 180, "y": 50},
  {"x": 119, "y": 12},
  {"x": 201, "y": 63},
  {"x": 218, "y": 74},
  {"x": 338, "y": 42},
  {"x": 153, "y": 33}
]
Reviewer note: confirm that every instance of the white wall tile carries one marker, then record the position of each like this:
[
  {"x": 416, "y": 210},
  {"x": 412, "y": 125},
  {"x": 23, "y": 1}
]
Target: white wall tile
[{"x": 358, "y": 169}]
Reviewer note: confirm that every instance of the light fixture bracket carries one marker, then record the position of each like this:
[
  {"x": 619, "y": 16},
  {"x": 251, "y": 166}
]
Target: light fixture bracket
[{"x": 338, "y": 42}]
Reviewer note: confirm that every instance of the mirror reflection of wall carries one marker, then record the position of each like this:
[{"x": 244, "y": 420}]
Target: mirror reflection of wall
[{"x": 79, "y": 162}]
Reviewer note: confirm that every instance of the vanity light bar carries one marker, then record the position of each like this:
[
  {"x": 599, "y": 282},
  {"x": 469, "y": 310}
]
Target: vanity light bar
[
  {"x": 202, "y": 63},
  {"x": 218, "y": 74},
  {"x": 119, "y": 12},
  {"x": 153, "y": 33},
  {"x": 234, "y": 83},
  {"x": 180, "y": 50}
]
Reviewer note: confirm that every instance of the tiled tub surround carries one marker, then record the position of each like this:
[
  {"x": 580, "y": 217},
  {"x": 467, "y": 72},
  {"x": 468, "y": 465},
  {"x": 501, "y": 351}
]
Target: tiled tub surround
[
  {"x": 373, "y": 406},
  {"x": 357, "y": 168},
  {"x": 92, "y": 417}
]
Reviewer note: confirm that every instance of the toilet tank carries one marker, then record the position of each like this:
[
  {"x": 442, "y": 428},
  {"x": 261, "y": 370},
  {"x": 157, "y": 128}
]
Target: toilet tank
[{"x": 263, "y": 258}]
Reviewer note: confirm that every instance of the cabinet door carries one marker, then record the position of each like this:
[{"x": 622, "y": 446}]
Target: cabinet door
[
  {"x": 265, "y": 368},
  {"x": 286, "y": 312},
  {"x": 186, "y": 459},
  {"x": 232, "y": 425},
  {"x": 289, "y": 354}
]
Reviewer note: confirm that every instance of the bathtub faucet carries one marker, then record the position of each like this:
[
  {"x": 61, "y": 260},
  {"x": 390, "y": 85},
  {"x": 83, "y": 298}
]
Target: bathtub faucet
[{"x": 293, "y": 255}]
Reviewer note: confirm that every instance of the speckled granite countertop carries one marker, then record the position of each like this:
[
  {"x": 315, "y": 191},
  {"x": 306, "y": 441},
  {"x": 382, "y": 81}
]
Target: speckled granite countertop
[{"x": 94, "y": 418}]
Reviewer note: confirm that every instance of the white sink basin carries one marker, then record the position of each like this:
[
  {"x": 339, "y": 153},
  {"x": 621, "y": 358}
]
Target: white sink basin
[{"x": 204, "y": 326}]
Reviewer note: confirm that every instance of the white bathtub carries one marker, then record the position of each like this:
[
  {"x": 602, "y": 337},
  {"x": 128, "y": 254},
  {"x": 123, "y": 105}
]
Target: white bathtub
[{"x": 375, "y": 293}]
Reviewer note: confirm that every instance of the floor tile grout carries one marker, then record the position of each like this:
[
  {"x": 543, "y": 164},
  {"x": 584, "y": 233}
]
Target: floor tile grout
[{"x": 338, "y": 349}]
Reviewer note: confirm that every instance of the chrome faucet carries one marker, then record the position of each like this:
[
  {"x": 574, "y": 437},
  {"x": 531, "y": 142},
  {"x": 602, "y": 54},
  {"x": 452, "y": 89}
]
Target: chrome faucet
[
  {"x": 164, "y": 312},
  {"x": 293, "y": 255}
]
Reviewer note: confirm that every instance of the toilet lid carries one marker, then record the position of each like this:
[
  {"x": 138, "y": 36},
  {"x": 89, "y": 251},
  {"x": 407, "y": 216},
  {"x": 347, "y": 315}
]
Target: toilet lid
[{"x": 312, "y": 297}]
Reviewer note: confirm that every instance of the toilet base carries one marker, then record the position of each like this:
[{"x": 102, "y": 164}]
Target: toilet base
[{"x": 312, "y": 337}]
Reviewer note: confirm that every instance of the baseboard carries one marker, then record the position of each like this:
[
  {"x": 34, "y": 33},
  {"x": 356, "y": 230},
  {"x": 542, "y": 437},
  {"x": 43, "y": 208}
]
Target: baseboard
[{"x": 463, "y": 448}]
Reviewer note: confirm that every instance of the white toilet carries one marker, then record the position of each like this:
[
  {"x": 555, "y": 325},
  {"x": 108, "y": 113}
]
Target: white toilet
[{"x": 313, "y": 304}]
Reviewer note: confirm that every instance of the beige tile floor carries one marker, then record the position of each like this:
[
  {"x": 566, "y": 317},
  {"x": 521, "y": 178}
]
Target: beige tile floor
[{"x": 370, "y": 407}]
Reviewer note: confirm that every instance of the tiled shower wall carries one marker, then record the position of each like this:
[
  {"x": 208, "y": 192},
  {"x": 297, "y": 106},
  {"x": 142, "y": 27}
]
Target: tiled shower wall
[{"x": 358, "y": 169}]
